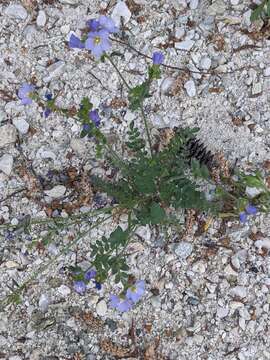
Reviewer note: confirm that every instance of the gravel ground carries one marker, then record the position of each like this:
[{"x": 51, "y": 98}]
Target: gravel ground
[{"x": 207, "y": 294}]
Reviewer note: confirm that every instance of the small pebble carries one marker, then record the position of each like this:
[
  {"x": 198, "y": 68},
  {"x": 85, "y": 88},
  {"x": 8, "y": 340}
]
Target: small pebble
[
  {"x": 184, "y": 45},
  {"x": 8, "y": 135},
  {"x": 64, "y": 290},
  {"x": 267, "y": 71},
  {"x": 16, "y": 11},
  {"x": 21, "y": 125},
  {"x": 101, "y": 308},
  {"x": 43, "y": 303},
  {"x": 121, "y": 11},
  {"x": 56, "y": 192},
  {"x": 239, "y": 291},
  {"x": 183, "y": 250},
  {"x": 41, "y": 18},
  {"x": 190, "y": 88},
  {"x": 6, "y": 164}
]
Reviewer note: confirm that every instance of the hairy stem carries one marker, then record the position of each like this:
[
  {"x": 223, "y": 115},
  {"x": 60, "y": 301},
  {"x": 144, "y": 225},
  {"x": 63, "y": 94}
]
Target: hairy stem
[{"x": 4, "y": 302}]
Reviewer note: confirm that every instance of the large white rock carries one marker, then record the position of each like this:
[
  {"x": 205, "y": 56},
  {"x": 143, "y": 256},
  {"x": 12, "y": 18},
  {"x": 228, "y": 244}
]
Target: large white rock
[
  {"x": 190, "y": 88},
  {"x": 21, "y": 125},
  {"x": 41, "y": 18},
  {"x": 56, "y": 192},
  {"x": 16, "y": 11},
  {"x": 8, "y": 135},
  {"x": 121, "y": 11},
  {"x": 101, "y": 308},
  {"x": 55, "y": 70},
  {"x": 6, "y": 163},
  {"x": 184, "y": 45}
]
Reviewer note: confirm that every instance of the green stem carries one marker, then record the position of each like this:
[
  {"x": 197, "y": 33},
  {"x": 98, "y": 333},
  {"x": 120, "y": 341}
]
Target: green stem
[
  {"x": 118, "y": 72},
  {"x": 39, "y": 221},
  {"x": 4, "y": 302},
  {"x": 147, "y": 129}
]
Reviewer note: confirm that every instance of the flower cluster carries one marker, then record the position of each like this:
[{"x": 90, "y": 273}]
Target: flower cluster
[
  {"x": 97, "y": 40},
  {"x": 133, "y": 295},
  {"x": 80, "y": 285},
  {"x": 249, "y": 210}
]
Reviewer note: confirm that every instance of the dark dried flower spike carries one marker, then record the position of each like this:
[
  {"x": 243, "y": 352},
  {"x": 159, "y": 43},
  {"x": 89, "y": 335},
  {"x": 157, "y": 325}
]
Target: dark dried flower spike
[{"x": 198, "y": 151}]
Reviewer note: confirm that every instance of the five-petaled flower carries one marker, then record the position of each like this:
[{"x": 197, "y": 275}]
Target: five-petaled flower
[
  {"x": 135, "y": 292},
  {"x": 98, "y": 42},
  {"x": 79, "y": 287},
  {"x": 75, "y": 42},
  {"x": 94, "y": 116},
  {"x": 24, "y": 93},
  {"x": 122, "y": 305},
  {"x": 249, "y": 210},
  {"x": 157, "y": 58},
  {"x": 90, "y": 274},
  {"x": 107, "y": 24}
]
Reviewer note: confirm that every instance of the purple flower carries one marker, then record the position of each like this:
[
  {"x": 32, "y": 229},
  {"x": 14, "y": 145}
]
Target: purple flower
[
  {"x": 243, "y": 217},
  {"x": 135, "y": 292},
  {"x": 97, "y": 285},
  {"x": 75, "y": 42},
  {"x": 98, "y": 42},
  {"x": 93, "y": 24},
  {"x": 157, "y": 58},
  {"x": 90, "y": 274},
  {"x": 93, "y": 115},
  {"x": 251, "y": 210},
  {"x": 24, "y": 91},
  {"x": 86, "y": 127},
  {"x": 107, "y": 24},
  {"x": 47, "y": 112},
  {"x": 79, "y": 287},
  {"x": 119, "y": 304},
  {"x": 48, "y": 96}
]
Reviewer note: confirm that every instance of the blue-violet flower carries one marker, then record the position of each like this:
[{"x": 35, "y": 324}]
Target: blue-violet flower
[
  {"x": 135, "y": 292},
  {"x": 157, "y": 58},
  {"x": 79, "y": 287},
  {"x": 90, "y": 274},
  {"x": 24, "y": 91},
  {"x": 94, "y": 116},
  {"x": 119, "y": 304},
  {"x": 98, "y": 42},
  {"x": 107, "y": 24},
  {"x": 251, "y": 210},
  {"x": 75, "y": 42}
]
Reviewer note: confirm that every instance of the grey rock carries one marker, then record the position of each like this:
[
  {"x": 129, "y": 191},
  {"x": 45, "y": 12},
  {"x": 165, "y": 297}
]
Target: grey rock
[
  {"x": 69, "y": 2},
  {"x": 167, "y": 85},
  {"x": 8, "y": 135},
  {"x": 205, "y": 63},
  {"x": 64, "y": 290},
  {"x": 184, "y": 45},
  {"x": 217, "y": 8},
  {"x": 239, "y": 291},
  {"x": 101, "y": 308},
  {"x": 56, "y": 192},
  {"x": 78, "y": 146},
  {"x": 222, "y": 312},
  {"x": 16, "y": 11},
  {"x": 29, "y": 32},
  {"x": 121, "y": 11},
  {"x": 43, "y": 303},
  {"x": 21, "y": 125},
  {"x": 190, "y": 88},
  {"x": 55, "y": 70},
  {"x": 252, "y": 191},
  {"x": 194, "y": 4},
  {"x": 267, "y": 71},
  {"x": 41, "y": 18},
  {"x": 111, "y": 324},
  {"x": 6, "y": 163},
  {"x": 256, "y": 88},
  {"x": 183, "y": 250}
]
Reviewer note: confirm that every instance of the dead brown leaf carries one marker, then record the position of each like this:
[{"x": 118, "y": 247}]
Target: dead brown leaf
[{"x": 118, "y": 351}]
